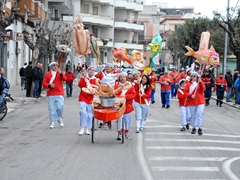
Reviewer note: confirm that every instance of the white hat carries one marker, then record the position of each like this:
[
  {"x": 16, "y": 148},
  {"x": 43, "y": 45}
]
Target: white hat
[
  {"x": 181, "y": 81},
  {"x": 195, "y": 74},
  {"x": 53, "y": 63},
  {"x": 90, "y": 67}
]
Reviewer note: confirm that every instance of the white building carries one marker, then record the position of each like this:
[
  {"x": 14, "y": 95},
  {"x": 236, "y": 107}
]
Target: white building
[{"x": 114, "y": 22}]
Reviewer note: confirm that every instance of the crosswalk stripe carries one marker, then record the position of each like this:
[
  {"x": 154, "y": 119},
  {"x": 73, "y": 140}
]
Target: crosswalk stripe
[
  {"x": 159, "y": 158},
  {"x": 188, "y": 134},
  {"x": 193, "y": 148},
  {"x": 193, "y": 140},
  {"x": 173, "y": 168}
]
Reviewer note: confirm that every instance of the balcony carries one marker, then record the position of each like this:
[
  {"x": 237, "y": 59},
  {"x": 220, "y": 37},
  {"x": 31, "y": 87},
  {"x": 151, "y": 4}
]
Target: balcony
[
  {"x": 127, "y": 24},
  {"x": 36, "y": 9},
  {"x": 107, "y": 2},
  {"x": 128, "y": 43},
  {"x": 133, "y": 5},
  {"x": 101, "y": 21},
  {"x": 60, "y": 4}
]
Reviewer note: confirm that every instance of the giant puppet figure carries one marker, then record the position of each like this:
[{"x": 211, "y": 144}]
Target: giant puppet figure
[
  {"x": 81, "y": 37},
  {"x": 155, "y": 48},
  {"x": 207, "y": 58}
]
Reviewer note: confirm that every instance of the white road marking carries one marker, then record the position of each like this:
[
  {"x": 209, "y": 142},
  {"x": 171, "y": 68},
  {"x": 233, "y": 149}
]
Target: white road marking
[
  {"x": 193, "y": 148},
  {"x": 194, "y": 140},
  {"x": 187, "y": 158},
  {"x": 173, "y": 168},
  {"x": 189, "y": 134},
  {"x": 227, "y": 168},
  {"x": 143, "y": 164}
]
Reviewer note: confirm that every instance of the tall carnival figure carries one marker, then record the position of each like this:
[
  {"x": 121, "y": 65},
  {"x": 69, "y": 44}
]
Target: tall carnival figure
[
  {"x": 142, "y": 102},
  {"x": 220, "y": 86},
  {"x": 183, "y": 105},
  {"x": 53, "y": 82},
  {"x": 165, "y": 81},
  {"x": 85, "y": 101},
  {"x": 129, "y": 94},
  {"x": 195, "y": 92},
  {"x": 209, "y": 83}
]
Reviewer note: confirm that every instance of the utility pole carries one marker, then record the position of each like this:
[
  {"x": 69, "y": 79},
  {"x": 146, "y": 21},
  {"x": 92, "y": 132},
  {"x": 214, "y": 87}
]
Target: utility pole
[{"x": 226, "y": 43}]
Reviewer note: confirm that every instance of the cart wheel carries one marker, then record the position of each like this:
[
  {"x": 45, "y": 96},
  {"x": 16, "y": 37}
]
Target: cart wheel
[
  {"x": 123, "y": 134},
  {"x": 93, "y": 129}
]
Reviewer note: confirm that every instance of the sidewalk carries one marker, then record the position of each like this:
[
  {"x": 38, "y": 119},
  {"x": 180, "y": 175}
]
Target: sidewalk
[
  {"x": 19, "y": 95},
  {"x": 227, "y": 103}
]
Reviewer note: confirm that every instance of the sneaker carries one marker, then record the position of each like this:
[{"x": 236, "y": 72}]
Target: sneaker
[
  {"x": 101, "y": 125},
  {"x": 81, "y": 131},
  {"x": 137, "y": 130},
  {"x": 153, "y": 102},
  {"x": 60, "y": 121},
  {"x": 141, "y": 129},
  {"x": 163, "y": 106},
  {"x": 52, "y": 125},
  {"x": 168, "y": 106},
  {"x": 187, "y": 126},
  {"x": 87, "y": 132},
  {"x": 183, "y": 129},
  {"x": 200, "y": 132},
  {"x": 193, "y": 131},
  {"x": 127, "y": 135},
  {"x": 119, "y": 137}
]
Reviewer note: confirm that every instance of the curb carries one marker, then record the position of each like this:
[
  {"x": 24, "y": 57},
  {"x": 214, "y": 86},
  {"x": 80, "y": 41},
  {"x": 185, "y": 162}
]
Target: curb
[{"x": 228, "y": 103}]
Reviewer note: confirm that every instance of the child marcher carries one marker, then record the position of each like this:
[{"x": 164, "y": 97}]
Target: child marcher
[{"x": 183, "y": 106}]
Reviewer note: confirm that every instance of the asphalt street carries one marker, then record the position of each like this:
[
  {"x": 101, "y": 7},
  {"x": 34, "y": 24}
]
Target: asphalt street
[{"x": 30, "y": 150}]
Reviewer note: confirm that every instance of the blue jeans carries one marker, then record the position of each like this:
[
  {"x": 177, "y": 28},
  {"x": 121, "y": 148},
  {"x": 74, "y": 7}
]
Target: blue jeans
[
  {"x": 23, "y": 82},
  {"x": 152, "y": 95},
  {"x": 228, "y": 94},
  {"x": 165, "y": 96},
  {"x": 3, "y": 95},
  {"x": 173, "y": 90},
  {"x": 36, "y": 87},
  {"x": 237, "y": 96},
  {"x": 69, "y": 89}
]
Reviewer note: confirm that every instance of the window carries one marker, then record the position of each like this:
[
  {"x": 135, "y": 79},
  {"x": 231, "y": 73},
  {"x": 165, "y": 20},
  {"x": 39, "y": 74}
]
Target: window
[
  {"x": 95, "y": 10},
  {"x": 86, "y": 8}
]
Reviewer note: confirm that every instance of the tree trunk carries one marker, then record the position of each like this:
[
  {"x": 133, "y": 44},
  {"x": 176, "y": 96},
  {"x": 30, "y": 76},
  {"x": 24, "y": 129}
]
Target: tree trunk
[{"x": 237, "y": 54}]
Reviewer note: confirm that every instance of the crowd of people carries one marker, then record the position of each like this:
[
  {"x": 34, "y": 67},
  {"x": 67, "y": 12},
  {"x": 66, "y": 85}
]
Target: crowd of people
[{"x": 192, "y": 90}]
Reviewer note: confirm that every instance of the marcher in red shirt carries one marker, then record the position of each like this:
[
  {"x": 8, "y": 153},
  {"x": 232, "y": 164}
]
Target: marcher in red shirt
[
  {"x": 53, "y": 82},
  {"x": 220, "y": 86},
  {"x": 69, "y": 83},
  {"x": 195, "y": 92},
  {"x": 165, "y": 81},
  {"x": 85, "y": 101}
]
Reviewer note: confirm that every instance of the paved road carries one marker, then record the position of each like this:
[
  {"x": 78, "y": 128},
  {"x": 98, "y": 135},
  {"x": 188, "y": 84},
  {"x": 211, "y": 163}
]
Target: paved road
[{"x": 30, "y": 150}]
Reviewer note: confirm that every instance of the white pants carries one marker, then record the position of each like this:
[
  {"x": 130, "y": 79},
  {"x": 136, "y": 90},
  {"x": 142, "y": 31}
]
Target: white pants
[
  {"x": 127, "y": 121},
  {"x": 185, "y": 115},
  {"x": 197, "y": 115},
  {"x": 86, "y": 114},
  {"x": 141, "y": 113}
]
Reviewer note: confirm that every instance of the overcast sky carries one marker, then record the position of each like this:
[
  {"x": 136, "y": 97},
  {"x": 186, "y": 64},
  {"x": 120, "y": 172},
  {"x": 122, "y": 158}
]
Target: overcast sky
[{"x": 204, "y": 6}]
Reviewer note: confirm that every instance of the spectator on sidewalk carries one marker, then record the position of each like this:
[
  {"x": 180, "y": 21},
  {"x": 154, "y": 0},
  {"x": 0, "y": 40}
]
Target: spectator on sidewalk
[
  {"x": 220, "y": 86},
  {"x": 235, "y": 75},
  {"x": 53, "y": 82},
  {"x": 68, "y": 66},
  {"x": 6, "y": 85},
  {"x": 237, "y": 89},
  {"x": 229, "y": 80},
  {"x": 69, "y": 83},
  {"x": 23, "y": 78},
  {"x": 29, "y": 77},
  {"x": 41, "y": 79},
  {"x": 37, "y": 75},
  {"x": 79, "y": 68}
]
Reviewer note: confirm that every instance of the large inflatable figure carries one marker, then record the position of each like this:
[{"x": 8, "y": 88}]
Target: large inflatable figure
[
  {"x": 81, "y": 38},
  {"x": 155, "y": 48}
]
